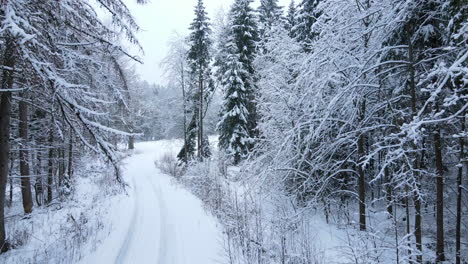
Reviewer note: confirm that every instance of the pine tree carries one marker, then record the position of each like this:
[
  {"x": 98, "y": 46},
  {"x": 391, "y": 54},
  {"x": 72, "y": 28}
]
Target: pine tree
[
  {"x": 245, "y": 37},
  {"x": 291, "y": 18},
  {"x": 233, "y": 127},
  {"x": 270, "y": 13},
  {"x": 199, "y": 58},
  {"x": 221, "y": 61},
  {"x": 307, "y": 16}
]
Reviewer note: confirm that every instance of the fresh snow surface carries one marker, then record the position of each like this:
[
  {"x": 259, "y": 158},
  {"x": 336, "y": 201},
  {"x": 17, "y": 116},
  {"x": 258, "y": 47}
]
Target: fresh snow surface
[{"x": 159, "y": 222}]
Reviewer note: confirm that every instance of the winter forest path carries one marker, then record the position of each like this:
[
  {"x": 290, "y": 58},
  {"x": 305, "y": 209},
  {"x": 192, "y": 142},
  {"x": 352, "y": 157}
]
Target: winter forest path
[{"x": 161, "y": 223}]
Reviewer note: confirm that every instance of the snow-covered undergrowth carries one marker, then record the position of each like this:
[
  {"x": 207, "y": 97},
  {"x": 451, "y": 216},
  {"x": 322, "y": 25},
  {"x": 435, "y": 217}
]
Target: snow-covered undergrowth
[
  {"x": 264, "y": 225},
  {"x": 259, "y": 226},
  {"x": 72, "y": 225}
]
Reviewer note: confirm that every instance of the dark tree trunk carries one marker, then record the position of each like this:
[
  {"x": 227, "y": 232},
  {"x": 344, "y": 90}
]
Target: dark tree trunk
[
  {"x": 185, "y": 110},
  {"x": 5, "y": 112},
  {"x": 408, "y": 223},
  {"x": 362, "y": 187},
  {"x": 459, "y": 196},
  {"x": 389, "y": 195},
  {"x": 440, "y": 255},
  {"x": 70, "y": 156},
  {"x": 61, "y": 165},
  {"x": 5, "y": 116},
  {"x": 38, "y": 186},
  {"x": 131, "y": 142},
  {"x": 417, "y": 187},
  {"x": 200, "y": 120},
  {"x": 24, "y": 157},
  {"x": 50, "y": 164},
  {"x": 417, "y": 226},
  {"x": 10, "y": 202},
  {"x": 362, "y": 179}
]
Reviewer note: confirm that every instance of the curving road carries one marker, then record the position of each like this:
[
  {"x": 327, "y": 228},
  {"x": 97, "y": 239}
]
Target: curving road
[{"x": 158, "y": 222}]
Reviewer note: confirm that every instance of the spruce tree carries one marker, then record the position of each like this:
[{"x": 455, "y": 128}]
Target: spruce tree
[
  {"x": 270, "y": 13},
  {"x": 233, "y": 127},
  {"x": 240, "y": 85},
  {"x": 307, "y": 16},
  {"x": 245, "y": 36},
  {"x": 291, "y": 18},
  {"x": 199, "y": 59}
]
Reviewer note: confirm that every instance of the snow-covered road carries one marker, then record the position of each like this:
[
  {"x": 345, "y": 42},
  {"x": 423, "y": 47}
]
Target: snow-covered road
[{"x": 159, "y": 222}]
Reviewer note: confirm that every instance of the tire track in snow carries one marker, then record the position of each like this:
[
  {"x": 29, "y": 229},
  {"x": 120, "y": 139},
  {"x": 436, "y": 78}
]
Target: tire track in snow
[
  {"x": 135, "y": 239},
  {"x": 163, "y": 233},
  {"x": 131, "y": 229}
]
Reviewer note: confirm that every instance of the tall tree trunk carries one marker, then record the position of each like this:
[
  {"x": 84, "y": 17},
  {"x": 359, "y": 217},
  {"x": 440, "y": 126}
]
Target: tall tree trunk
[
  {"x": 389, "y": 195},
  {"x": 408, "y": 223},
  {"x": 200, "y": 120},
  {"x": 50, "y": 164},
  {"x": 5, "y": 112},
  {"x": 5, "y": 116},
  {"x": 440, "y": 256},
  {"x": 417, "y": 187},
  {"x": 185, "y": 109},
  {"x": 38, "y": 185},
  {"x": 61, "y": 166},
  {"x": 418, "y": 224},
  {"x": 10, "y": 201},
  {"x": 24, "y": 157},
  {"x": 70, "y": 156},
  {"x": 459, "y": 195},
  {"x": 362, "y": 180}
]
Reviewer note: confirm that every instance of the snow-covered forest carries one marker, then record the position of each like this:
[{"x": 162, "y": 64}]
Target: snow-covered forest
[{"x": 323, "y": 131}]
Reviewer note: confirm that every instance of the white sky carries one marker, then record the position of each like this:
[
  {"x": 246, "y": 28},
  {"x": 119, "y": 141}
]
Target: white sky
[{"x": 159, "y": 19}]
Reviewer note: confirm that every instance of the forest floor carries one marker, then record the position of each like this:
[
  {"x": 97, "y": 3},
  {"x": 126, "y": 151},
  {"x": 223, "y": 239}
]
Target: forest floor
[{"x": 159, "y": 222}]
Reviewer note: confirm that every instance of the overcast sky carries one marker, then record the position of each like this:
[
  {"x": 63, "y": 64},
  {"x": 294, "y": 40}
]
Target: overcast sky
[{"x": 159, "y": 19}]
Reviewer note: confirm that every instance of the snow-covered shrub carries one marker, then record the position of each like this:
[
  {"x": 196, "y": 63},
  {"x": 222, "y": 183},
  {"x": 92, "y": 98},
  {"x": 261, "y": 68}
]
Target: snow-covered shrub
[
  {"x": 169, "y": 165},
  {"x": 258, "y": 228},
  {"x": 205, "y": 182}
]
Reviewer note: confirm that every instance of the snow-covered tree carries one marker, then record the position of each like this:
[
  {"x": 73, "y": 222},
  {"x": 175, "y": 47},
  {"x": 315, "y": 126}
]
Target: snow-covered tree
[
  {"x": 244, "y": 35},
  {"x": 178, "y": 72},
  {"x": 64, "y": 58},
  {"x": 233, "y": 128},
  {"x": 291, "y": 18},
  {"x": 307, "y": 15},
  {"x": 269, "y": 14},
  {"x": 199, "y": 57}
]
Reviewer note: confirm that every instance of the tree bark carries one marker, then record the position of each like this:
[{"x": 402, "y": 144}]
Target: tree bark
[
  {"x": 38, "y": 185},
  {"x": 389, "y": 195},
  {"x": 10, "y": 201},
  {"x": 131, "y": 142},
  {"x": 417, "y": 187},
  {"x": 5, "y": 117},
  {"x": 417, "y": 225},
  {"x": 459, "y": 196},
  {"x": 70, "y": 156},
  {"x": 440, "y": 255},
  {"x": 362, "y": 180},
  {"x": 50, "y": 164},
  {"x": 24, "y": 157},
  {"x": 408, "y": 223},
  {"x": 61, "y": 173},
  {"x": 185, "y": 109},
  {"x": 200, "y": 120}
]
